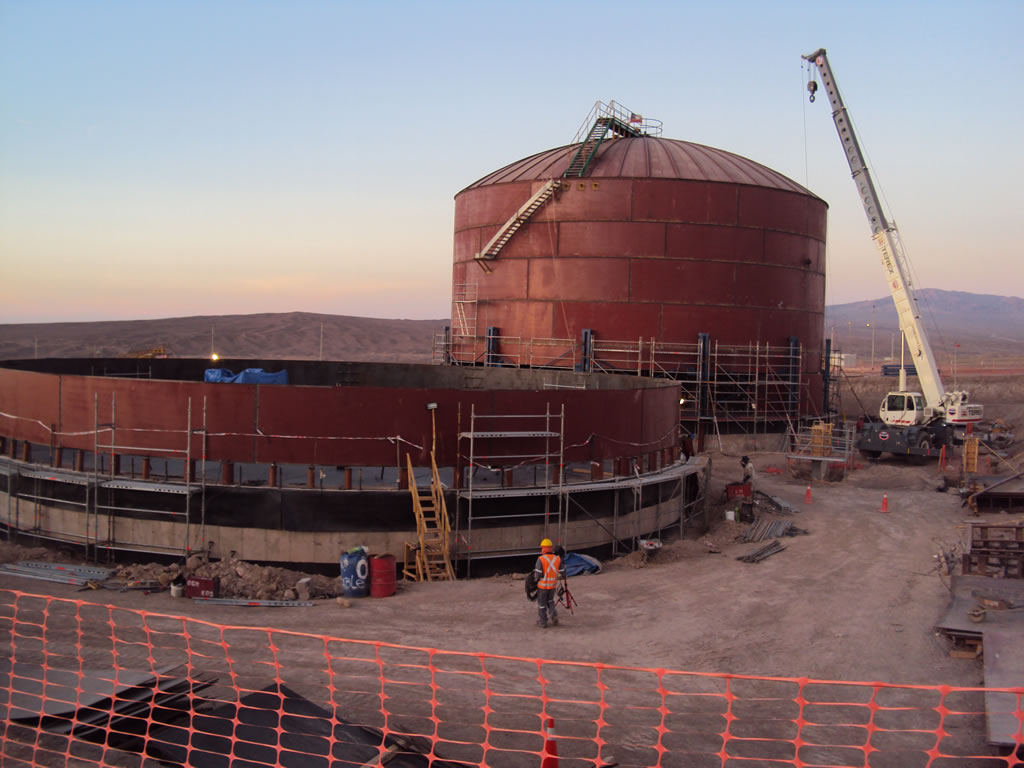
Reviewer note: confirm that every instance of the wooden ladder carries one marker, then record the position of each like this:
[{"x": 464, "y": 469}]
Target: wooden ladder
[
  {"x": 970, "y": 454},
  {"x": 428, "y": 558}
]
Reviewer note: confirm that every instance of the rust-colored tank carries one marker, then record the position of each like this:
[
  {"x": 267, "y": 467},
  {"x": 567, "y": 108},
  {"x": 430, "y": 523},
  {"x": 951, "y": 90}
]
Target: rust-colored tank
[{"x": 660, "y": 240}]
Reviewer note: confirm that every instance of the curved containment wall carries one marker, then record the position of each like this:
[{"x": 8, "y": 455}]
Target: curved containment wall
[
  {"x": 145, "y": 456},
  {"x": 343, "y": 414}
]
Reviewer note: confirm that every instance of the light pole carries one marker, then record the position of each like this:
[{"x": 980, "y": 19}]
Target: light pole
[{"x": 872, "y": 337}]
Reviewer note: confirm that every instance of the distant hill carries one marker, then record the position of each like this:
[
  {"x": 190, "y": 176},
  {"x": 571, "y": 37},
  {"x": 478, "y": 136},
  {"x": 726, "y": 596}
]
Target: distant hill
[
  {"x": 986, "y": 327},
  {"x": 291, "y": 335}
]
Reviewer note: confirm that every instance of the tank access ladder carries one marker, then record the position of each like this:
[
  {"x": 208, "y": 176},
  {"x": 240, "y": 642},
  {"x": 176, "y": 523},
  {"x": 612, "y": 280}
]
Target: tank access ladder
[
  {"x": 510, "y": 227},
  {"x": 428, "y": 558},
  {"x": 602, "y": 121}
]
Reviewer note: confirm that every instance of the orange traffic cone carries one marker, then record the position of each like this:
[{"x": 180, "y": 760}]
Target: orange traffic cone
[
  {"x": 807, "y": 496},
  {"x": 942, "y": 459},
  {"x": 549, "y": 757},
  {"x": 885, "y": 502}
]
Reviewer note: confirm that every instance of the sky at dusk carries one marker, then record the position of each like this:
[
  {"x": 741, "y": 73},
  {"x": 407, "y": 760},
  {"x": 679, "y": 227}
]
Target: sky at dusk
[{"x": 166, "y": 159}]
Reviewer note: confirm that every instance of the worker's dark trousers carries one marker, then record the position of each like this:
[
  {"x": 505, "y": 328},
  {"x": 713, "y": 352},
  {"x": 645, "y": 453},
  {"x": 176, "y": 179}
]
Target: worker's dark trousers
[{"x": 546, "y": 606}]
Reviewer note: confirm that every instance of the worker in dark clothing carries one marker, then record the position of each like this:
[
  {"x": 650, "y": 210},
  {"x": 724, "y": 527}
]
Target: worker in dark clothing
[{"x": 547, "y": 572}]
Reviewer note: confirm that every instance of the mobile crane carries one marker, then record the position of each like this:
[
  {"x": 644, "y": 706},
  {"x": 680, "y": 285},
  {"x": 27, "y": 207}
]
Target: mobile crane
[{"x": 912, "y": 423}]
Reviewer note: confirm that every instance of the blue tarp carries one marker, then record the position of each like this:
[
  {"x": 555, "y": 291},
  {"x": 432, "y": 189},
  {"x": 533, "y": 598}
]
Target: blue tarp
[
  {"x": 576, "y": 564},
  {"x": 248, "y": 376}
]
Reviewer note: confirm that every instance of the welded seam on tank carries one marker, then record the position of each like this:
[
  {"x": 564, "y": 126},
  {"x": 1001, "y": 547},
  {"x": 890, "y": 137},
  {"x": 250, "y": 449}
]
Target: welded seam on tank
[
  {"x": 707, "y": 159},
  {"x": 758, "y": 174},
  {"x": 517, "y": 170},
  {"x": 505, "y": 173},
  {"x": 610, "y": 155},
  {"x": 668, "y": 158},
  {"x": 539, "y": 167},
  {"x": 708, "y": 164}
]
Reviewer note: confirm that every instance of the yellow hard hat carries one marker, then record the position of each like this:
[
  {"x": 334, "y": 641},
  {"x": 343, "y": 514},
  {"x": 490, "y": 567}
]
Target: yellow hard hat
[{"x": 546, "y": 543}]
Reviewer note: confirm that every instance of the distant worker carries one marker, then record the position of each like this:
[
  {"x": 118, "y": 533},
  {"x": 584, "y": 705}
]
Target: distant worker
[
  {"x": 748, "y": 471},
  {"x": 548, "y": 570}
]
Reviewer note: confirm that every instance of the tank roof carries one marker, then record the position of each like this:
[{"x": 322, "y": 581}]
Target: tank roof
[{"x": 647, "y": 157}]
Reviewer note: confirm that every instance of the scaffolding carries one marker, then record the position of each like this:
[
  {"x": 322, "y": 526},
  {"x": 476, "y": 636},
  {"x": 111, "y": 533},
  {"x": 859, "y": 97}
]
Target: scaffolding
[
  {"x": 463, "y": 339},
  {"x": 536, "y": 440},
  {"x": 823, "y": 444},
  {"x": 538, "y": 451},
  {"x": 108, "y": 512},
  {"x": 754, "y": 387}
]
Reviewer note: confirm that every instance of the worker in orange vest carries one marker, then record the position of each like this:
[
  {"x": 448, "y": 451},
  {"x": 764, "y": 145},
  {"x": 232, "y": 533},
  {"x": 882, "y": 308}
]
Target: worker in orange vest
[{"x": 547, "y": 571}]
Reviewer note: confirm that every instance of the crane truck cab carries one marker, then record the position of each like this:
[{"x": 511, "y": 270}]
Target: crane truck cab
[{"x": 903, "y": 409}]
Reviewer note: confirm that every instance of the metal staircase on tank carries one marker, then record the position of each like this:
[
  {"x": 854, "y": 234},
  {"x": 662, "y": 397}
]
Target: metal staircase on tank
[
  {"x": 605, "y": 120},
  {"x": 510, "y": 227},
  {"x": 428, "y": 558},
  {"x": 602, "y": 121}
]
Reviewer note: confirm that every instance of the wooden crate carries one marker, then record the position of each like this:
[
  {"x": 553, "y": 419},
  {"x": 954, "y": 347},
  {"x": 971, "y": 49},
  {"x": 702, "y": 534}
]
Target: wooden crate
[
  {"x": 997, "y": 563},
  {"x": 997, "y": 536}
]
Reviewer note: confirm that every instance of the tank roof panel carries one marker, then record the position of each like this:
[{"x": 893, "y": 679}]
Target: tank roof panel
[{"x": 647, "y": 157}]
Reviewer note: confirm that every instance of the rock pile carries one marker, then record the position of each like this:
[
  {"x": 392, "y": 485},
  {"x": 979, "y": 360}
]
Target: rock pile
[{"x": 239, "y": 579}]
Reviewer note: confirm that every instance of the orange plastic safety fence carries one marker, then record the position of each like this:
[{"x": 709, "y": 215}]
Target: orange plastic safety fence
[{"x": 90, "y": 684}]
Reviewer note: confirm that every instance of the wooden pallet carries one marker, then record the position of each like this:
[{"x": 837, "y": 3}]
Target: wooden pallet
[
  {"x": 992, "y": 536},
  {"x": 993, "y": 563}
]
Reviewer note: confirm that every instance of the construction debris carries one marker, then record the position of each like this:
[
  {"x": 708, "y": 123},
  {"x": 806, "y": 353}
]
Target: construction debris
[
  {"x": 72, "y": 569},
  {"x": 764, "y": 552},
  {"x": 44, "y": 575},
  {"x": 255, "y": 603},
  {"x": 764, "y": 528},
  {"x": 240, "y": 580},
  {"x": 773, "y": 504}
]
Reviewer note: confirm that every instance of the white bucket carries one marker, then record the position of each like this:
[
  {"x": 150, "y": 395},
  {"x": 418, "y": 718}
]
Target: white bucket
[
  {"x": 177, "y": 590},
  {"x": 730, "y": 514}
]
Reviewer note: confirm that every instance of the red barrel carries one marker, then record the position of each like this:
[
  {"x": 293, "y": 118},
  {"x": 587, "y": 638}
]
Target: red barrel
[{"x": 382, "y": 575}]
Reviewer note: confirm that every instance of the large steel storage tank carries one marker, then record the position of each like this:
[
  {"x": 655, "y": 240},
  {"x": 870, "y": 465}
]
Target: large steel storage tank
[{"x": 661, "y": 240}]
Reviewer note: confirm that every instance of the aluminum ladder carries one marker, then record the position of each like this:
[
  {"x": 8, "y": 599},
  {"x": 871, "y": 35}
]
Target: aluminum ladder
[{"x": 510, "y": 227}]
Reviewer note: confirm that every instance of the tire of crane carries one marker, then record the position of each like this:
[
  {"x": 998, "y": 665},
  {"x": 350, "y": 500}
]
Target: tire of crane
[{"x": 925, "y": 444}]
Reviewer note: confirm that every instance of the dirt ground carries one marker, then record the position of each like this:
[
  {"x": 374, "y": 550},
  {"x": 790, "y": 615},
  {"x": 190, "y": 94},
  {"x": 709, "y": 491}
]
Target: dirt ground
[{"x": 855, "y": 599}]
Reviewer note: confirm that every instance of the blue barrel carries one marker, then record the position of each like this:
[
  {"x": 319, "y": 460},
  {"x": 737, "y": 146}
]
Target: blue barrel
[{"x": 355, "y": 573}]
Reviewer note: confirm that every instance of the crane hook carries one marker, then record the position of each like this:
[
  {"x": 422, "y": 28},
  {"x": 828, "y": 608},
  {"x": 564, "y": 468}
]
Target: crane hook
[{"x": 812, "y": 86}]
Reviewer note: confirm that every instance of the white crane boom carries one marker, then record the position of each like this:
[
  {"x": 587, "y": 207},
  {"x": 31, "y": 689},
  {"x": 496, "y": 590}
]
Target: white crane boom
[{"x": 952, "y": 407}]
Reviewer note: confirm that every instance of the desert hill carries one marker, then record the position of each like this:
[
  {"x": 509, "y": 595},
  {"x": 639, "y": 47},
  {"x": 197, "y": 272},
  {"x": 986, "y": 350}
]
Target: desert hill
[
  {"x": 987, "y": 328},
  {"x": 289, "y": 335}
]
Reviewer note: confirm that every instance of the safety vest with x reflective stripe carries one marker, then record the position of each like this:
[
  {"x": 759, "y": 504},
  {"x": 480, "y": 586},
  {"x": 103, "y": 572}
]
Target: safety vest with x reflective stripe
[{"x": 550, "y": 565}]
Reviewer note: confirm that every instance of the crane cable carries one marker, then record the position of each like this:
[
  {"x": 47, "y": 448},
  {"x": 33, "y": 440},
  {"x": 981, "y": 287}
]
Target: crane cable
[{"x": 810, "y": 69}]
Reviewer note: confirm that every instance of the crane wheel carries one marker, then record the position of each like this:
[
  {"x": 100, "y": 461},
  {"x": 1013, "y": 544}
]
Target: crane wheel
[{"x": 925, "y": 444}]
